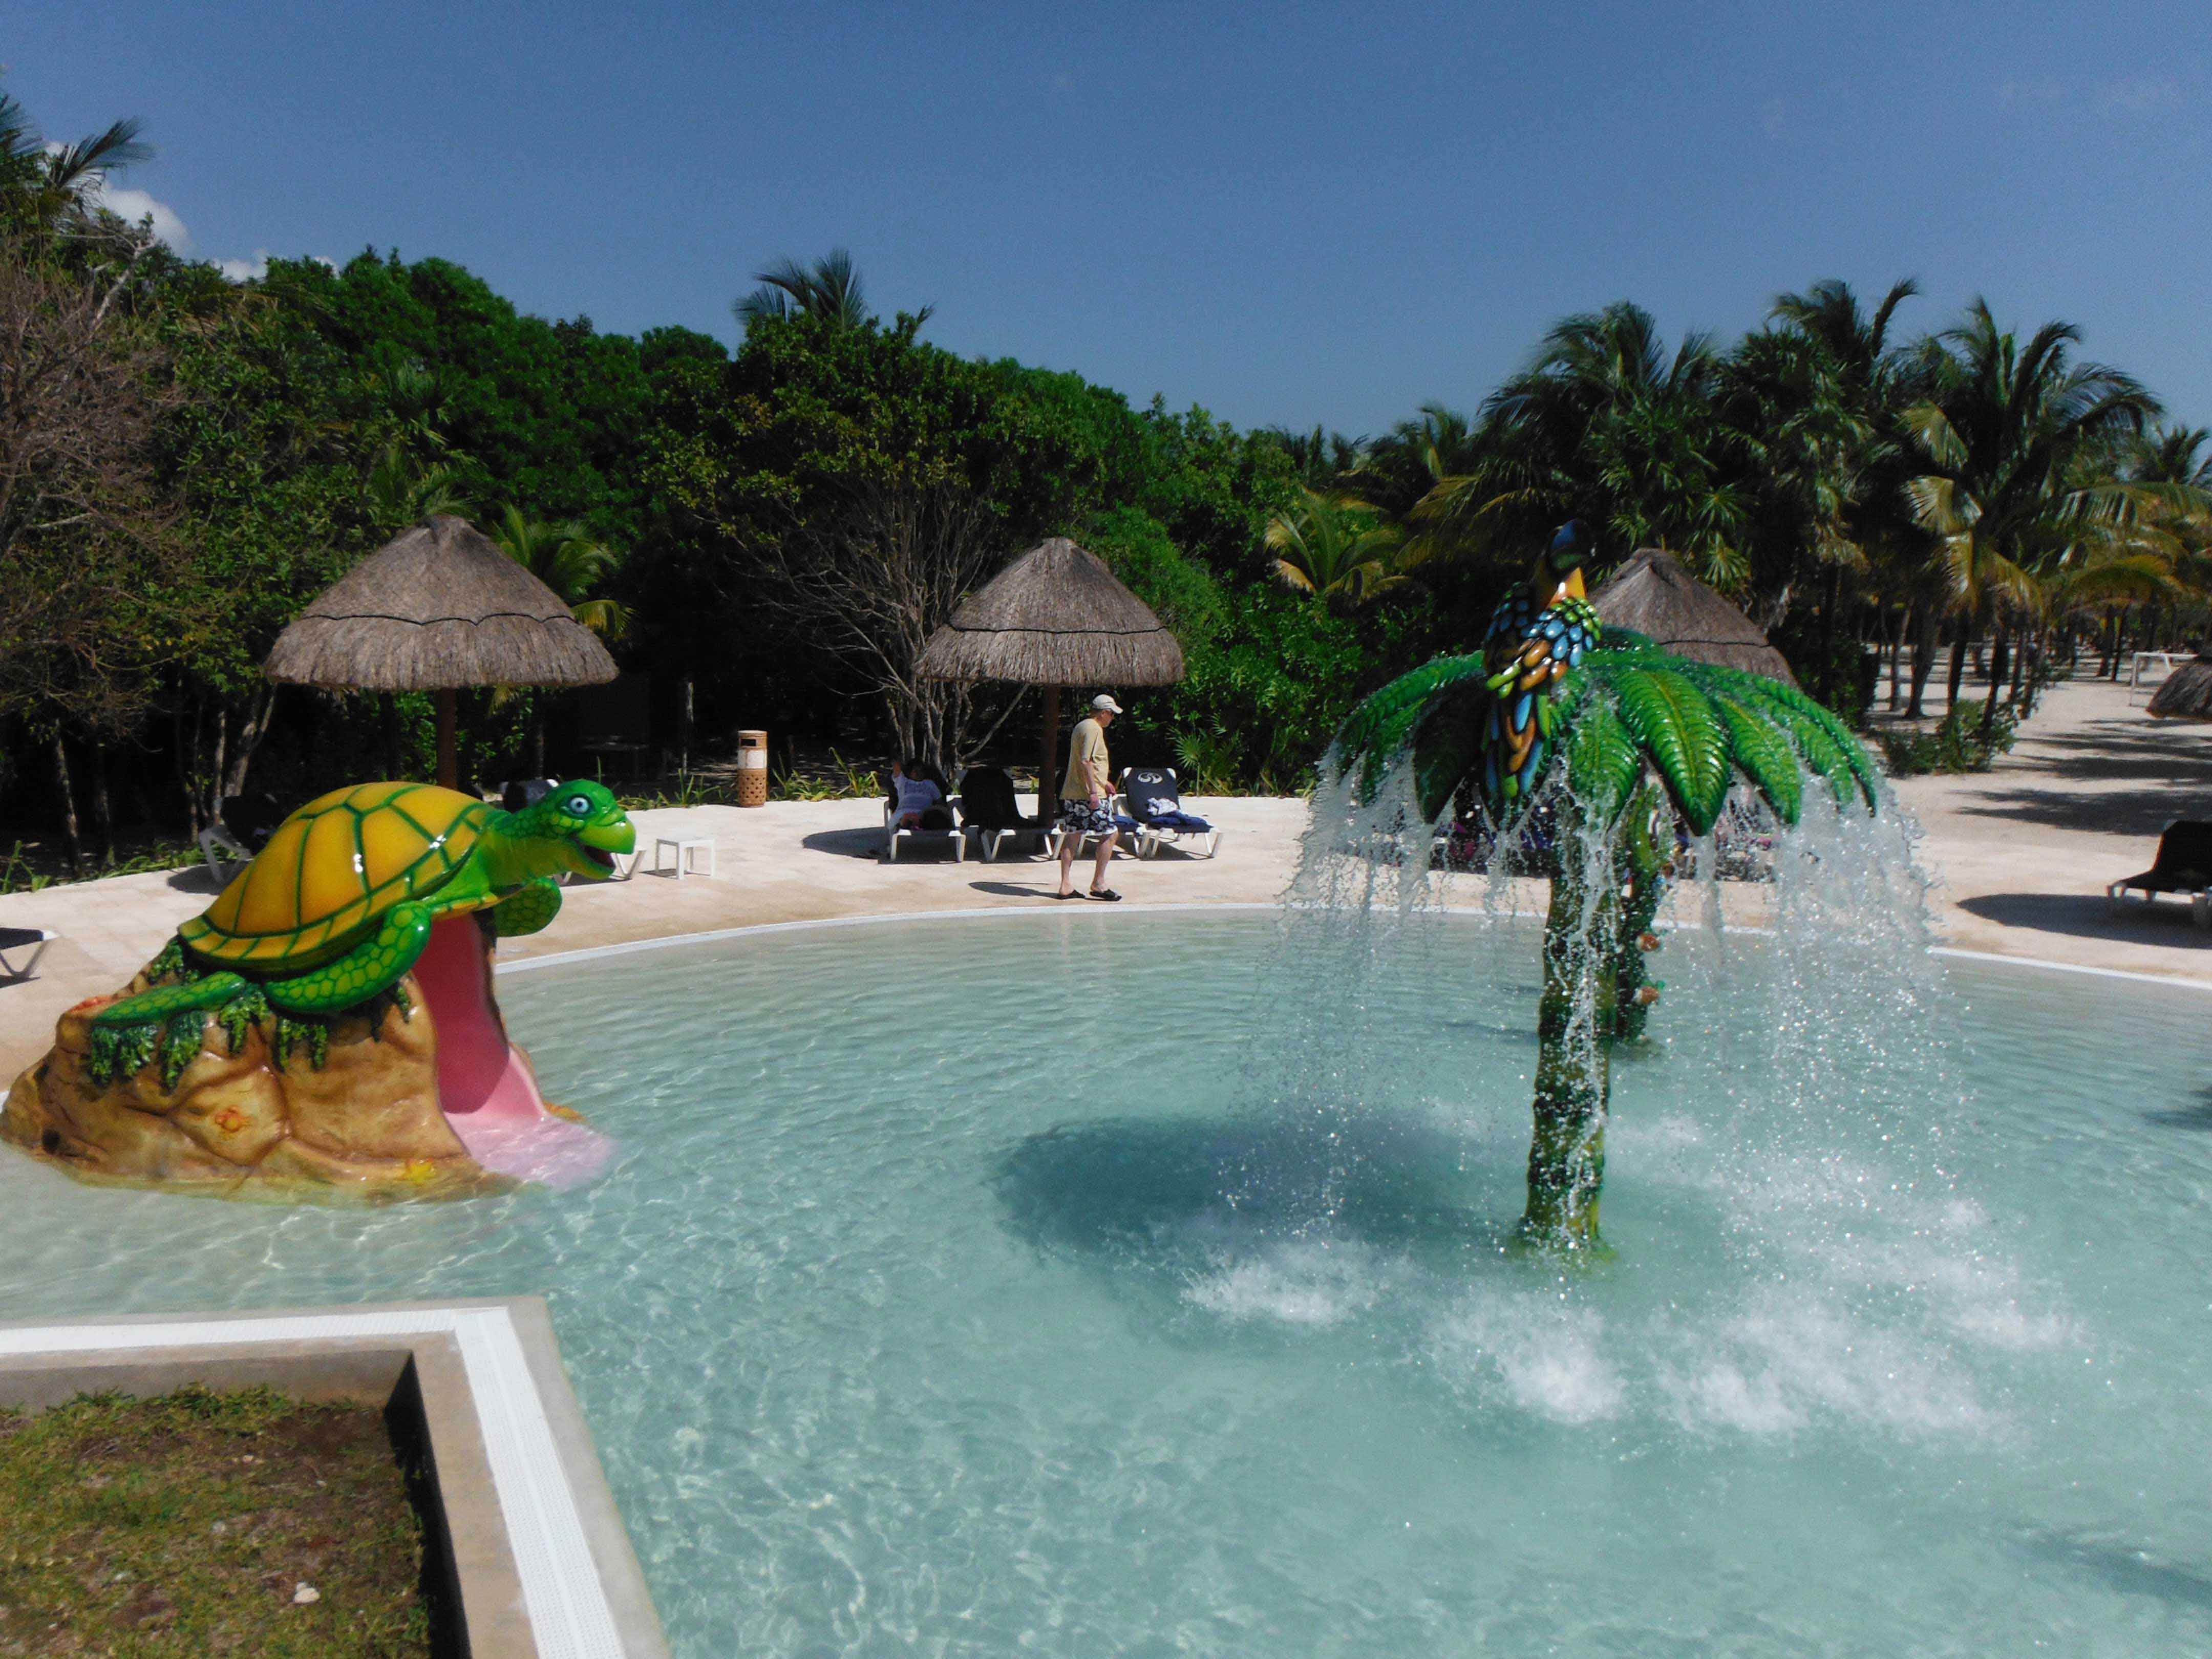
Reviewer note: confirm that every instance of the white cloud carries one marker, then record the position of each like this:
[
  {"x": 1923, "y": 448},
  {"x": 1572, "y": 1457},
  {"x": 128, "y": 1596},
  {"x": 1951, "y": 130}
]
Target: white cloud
[
  {"x": 254, "y": 269},
  {"x": 133, "y": 205}
]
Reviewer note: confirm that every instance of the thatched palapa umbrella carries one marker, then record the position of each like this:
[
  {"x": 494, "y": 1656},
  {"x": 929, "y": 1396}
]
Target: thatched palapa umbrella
[
  {"x": 437, "y": 608},
  {"x": 1054, "y": 618},
  {"x": 2187, "y": 693},
  {"x": 1652, "y": 594}
]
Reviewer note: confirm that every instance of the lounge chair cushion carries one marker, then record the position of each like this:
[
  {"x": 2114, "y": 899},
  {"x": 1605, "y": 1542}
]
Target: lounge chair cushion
[
  {"x": 1157, "y": 804},
  {"x": 2183, "y": 863},
  {"x": 518, "y": 793},
  {"x": 251, "y": 819}
]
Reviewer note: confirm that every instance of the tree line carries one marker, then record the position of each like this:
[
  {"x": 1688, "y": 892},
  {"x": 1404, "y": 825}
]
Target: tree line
[{"x": 770, "y": 531}]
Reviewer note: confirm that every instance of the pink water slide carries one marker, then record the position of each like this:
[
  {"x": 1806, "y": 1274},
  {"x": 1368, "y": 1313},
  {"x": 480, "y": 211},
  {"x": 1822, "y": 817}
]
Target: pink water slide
[{"x": 485, "y": 1082}]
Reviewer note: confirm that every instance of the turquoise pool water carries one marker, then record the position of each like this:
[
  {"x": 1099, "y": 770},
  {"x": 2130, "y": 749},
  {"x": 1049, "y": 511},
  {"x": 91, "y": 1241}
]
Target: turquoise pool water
[{"x": 1047, "y": 1285}]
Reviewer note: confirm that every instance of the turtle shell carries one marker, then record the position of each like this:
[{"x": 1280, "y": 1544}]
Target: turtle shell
[{"x": 334, "y": 866}]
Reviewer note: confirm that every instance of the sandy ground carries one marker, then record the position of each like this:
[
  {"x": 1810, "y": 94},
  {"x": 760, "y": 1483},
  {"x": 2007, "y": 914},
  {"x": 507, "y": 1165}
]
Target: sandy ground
[{"x": 2021, "y": 853}]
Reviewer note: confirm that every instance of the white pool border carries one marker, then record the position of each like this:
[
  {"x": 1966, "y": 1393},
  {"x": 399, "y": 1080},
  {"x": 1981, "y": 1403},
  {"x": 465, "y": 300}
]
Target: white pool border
[
  {"x": 976, "y": 913},
  {"x": 571, "y": 1615}
]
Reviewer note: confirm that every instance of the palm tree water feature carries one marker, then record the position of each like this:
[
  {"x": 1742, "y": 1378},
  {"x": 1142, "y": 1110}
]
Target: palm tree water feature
[{"x": 1603, "y": 743}]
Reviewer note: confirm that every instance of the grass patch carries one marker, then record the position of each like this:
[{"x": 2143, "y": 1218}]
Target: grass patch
[{"x": 187, "y": 1525}]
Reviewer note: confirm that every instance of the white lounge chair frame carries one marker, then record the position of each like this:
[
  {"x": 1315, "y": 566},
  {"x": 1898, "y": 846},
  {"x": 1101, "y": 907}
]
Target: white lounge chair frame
[
  {"x": 893, "y": 834},
  {"x": 10, "y": 973},
  {"x": 225, "y": 857},
  {"x": 1150, "y": 840},
  {"x": 2200, "y": 900},
  {"x": 988, "y": 841}
]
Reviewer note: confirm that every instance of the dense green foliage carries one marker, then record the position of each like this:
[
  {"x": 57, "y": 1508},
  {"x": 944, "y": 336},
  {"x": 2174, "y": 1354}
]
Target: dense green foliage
[{"x": 768, "y": 533}]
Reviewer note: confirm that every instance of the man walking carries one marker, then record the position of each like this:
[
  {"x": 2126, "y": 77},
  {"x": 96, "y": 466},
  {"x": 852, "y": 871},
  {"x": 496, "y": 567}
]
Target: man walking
[{"x": 1086, "y": 796}]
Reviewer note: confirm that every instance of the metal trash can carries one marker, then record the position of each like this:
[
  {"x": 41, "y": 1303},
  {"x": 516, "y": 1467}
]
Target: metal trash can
[{"x": 752, "y": 768}]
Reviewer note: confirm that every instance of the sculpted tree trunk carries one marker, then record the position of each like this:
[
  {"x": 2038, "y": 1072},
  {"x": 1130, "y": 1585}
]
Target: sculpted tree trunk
[{"x": 1574, "y": 1073}]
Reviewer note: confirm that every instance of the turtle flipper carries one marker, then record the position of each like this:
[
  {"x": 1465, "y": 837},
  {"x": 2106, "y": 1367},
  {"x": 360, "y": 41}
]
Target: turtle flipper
[
  {"x": 168, "y": 1020},
  {"x": 376, "y": 965},
  {"x": 152, "y": 1007},
  {"x": 527, "y": 909}
]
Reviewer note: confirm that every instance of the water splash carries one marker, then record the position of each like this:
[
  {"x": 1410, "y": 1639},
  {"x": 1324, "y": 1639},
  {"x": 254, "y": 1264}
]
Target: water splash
[{"x": 1833, "y": 1268}]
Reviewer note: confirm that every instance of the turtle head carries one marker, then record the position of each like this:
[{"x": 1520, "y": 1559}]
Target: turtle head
[{"x": 579, "y": 828}]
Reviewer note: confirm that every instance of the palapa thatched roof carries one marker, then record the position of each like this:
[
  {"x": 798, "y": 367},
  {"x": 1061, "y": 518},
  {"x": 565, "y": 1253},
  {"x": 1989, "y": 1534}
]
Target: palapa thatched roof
[
  {"x": 1655, "y": 596},
  {"x": 1054, "y": 617},
  {"x": 437, "y": 608},
  {"x": 2187, "y": 693}
]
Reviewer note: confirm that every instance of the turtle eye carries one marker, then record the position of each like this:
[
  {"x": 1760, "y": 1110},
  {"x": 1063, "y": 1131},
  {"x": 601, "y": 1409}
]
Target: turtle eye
[{"x": 577, "y": 807}]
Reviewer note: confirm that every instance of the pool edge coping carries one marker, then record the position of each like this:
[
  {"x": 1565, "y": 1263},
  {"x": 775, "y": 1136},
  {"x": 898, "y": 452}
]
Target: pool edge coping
[{"x": 975, "y": 913}]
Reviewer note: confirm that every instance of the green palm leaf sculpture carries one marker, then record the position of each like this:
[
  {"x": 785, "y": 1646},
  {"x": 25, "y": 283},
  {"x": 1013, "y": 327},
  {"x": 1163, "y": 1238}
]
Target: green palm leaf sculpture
[{"x": 1647, "y": 738}]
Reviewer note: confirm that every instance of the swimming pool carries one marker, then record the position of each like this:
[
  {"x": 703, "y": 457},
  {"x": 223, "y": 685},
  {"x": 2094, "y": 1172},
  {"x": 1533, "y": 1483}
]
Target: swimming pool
[{"x": 1037, "y": 1284}]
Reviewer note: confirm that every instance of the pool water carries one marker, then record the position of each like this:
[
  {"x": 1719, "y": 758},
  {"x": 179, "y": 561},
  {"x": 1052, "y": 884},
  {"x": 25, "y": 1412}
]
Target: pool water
[{"x": 1039, "y": 1284}]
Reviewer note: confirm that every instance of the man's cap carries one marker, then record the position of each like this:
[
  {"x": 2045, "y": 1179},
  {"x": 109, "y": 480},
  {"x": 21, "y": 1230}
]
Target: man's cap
[{"x": 1105, "y": 703}]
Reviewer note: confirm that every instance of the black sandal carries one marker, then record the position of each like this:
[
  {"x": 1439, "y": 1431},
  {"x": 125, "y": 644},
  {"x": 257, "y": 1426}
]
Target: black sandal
[
  {"x": 1105, "y": 895},
  {"x": 1061, "y": 895}
]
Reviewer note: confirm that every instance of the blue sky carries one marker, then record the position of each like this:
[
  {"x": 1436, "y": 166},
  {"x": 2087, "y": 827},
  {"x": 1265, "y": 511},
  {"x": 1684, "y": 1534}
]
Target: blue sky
[{"x": 1294, "y": 213}]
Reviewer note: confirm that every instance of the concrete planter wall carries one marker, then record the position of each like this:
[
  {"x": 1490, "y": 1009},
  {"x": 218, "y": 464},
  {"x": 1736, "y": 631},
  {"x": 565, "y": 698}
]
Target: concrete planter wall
[{"x": 518, "y": 1514}]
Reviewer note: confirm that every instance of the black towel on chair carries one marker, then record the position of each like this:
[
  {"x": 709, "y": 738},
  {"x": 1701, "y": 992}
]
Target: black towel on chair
[{"x": 987, "y": 799}]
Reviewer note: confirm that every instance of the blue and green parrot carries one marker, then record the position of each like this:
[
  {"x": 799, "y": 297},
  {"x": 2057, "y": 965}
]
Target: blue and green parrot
[{"x": 1535, "y": 637}]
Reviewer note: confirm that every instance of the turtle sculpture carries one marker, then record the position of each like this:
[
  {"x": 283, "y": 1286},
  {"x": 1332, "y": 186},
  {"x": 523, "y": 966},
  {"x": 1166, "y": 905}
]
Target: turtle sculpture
[{"x": 335, "y": 909}]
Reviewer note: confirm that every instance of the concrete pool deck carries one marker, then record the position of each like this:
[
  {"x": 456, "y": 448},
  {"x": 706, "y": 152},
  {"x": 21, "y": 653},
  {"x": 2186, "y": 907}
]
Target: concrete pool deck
[{"x": 2021, "y": 855}]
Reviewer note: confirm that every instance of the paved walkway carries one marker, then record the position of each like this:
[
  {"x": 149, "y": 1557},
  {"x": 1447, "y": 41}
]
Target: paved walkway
[{"x": 2023, "y": 853}]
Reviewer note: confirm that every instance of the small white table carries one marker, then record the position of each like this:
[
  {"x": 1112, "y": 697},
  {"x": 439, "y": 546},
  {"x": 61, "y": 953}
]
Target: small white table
[
  {"x": 683, "y": 847},
  {"x": 2169, "y": 657}
]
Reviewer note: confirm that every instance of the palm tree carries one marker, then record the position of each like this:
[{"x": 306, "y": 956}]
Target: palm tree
[
  {"x": 1415, "y": 456},
  {"x": 1823, "y": 388},
  {"x": 829, "y": 289},
  {"x": 1606, "y": 426},
  {"x": 2009, "y": 441},
  {"x": 1334, "y": 547},
  {"x": 1818, "y": 396},
  {"x": 1321, "y": 458},
  {"x": 572, "y": 563},
  {"x": 1646, "y": 735},
  {"x": 46, "y": 189},
  {"x": 401, "y": 488}
]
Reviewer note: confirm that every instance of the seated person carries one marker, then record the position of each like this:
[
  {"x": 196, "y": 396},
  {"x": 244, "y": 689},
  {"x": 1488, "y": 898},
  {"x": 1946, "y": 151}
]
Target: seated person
[{"x": 917, "y": 799}]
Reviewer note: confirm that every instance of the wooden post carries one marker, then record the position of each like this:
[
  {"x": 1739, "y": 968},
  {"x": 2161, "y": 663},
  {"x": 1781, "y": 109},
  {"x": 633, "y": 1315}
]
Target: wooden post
[
  {"x": 1047, "y": 767},
  {"x": 448, "y": 771}
]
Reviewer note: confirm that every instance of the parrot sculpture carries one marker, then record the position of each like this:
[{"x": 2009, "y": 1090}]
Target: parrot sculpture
[{"x": 1535, "y": 637}]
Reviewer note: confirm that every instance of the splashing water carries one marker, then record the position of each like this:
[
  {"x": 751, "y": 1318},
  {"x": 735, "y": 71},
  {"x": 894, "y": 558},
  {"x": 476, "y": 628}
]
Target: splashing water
[{"x": 1838, "y": 1269}]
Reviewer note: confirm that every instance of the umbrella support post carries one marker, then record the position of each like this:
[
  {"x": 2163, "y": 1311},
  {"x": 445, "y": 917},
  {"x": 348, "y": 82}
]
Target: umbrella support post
[
  {"x": 1048, "y": 789},
  {"x": 448, "y": 770}
]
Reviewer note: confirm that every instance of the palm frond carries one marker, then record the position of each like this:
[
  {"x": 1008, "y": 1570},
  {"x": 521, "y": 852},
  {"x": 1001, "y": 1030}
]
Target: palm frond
[
  {"x": 1381, "y": 727},
  {"x": 1675, "y": 724}
]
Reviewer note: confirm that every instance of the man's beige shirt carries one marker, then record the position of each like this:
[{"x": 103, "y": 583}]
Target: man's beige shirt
[{"x": 1087, "y": 743}]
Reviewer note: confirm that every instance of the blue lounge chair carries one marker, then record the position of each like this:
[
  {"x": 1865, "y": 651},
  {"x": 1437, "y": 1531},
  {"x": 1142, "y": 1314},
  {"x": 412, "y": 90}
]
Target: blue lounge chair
[{"x": 1156, "y": 816}]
